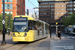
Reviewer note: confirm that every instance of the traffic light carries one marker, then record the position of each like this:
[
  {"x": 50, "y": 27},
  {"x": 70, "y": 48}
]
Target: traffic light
[
  {"x": 27, "y": 11},
  {"x": 56, "y": 23}
]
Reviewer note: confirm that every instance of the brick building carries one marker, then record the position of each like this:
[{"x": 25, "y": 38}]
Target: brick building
[
  {"x": 54, "y": 10},
  {"x": 15, "y": 7}
]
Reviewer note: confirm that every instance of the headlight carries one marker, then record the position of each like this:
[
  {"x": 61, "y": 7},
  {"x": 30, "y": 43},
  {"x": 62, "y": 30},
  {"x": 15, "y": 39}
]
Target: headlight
[
  {"x": 14, "y": 34},
  {"x": 25, "y": 34}
]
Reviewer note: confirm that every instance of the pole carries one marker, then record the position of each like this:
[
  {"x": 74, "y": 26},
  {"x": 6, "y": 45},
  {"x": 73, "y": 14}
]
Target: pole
[
  {"x": 9, "y": 24},
  {"x": 50, "y": 21},
  {"x": 56, "y": 31},
  {"x": 3, "y": 32}
]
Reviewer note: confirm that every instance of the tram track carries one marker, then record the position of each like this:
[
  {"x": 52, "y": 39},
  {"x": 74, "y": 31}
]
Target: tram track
[
  {"x": 20, "y": 46},
  {"x": 9, "y": 46},
  {"x": 38, "y": 45},
  {"x": 23, "y": 47},
  {"x": 16, "y": 44},
  {"x": 33, "y": 45}
]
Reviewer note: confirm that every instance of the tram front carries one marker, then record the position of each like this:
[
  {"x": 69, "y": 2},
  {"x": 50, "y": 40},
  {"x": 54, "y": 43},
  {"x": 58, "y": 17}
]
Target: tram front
[{"x": 20, "y": 25}]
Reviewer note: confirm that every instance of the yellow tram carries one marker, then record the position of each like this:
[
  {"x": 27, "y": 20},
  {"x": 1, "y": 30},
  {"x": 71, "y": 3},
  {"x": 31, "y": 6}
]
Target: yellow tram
[{"x": 28, "y": 29}]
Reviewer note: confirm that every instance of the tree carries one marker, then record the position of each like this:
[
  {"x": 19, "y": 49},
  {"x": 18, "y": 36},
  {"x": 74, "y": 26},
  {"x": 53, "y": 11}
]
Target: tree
[
  {"x": 7, "y": 21},
  {"x": 1, "y": 18},
  {"x": 70, "y": 20}
]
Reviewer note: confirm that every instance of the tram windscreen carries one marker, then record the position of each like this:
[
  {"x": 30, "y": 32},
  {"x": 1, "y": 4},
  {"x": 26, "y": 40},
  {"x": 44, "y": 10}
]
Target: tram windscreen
[{"x": 20, "y": 24}]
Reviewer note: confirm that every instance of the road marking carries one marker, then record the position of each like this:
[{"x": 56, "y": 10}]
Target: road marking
[
  {"x": 73, "y": 37},
  {"x": 39, "y": 44},
  {"x": 68, "y": 37},
  {"x": 36, "y": 46},
  {"x": 63, "y": 37}
]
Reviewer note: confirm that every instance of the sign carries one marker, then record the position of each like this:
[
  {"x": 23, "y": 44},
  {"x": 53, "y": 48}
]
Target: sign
[
  {"x": 20, "y": 23},
  {"x": 20, "y": 18},
  {"x": 56, "y": 23},
  {"x": 3, "y": 21}
]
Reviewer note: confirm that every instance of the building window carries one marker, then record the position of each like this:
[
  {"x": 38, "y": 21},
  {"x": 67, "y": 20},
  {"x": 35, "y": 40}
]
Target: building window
[
  {"x": 43, "y": 13},
  {"x": 57, "y": 2},
  {"x": 74, "y": 5},
  {"x": 63, "y": 5},
  {"x": 16, "y": 13},
  {"x": 69, "y": 9},
  {"x": 67, "y": 1},
  {"x": 16, "y": 1},
  {"x": 7, "y": 6},
  {"x": 57, "y": 5},
  {"x": 69, "y": 5},
  {"x": 63, "y": 9},
  {"x": 7, "y": 0},
  {"x": 16, "y": 6},
  {"x": 57, "y": 16},
  {"x": 69, "y": 12},
  {"x": 52, "y": 9},
  {"x": 74, "y": 8},
  {"x": 74, "y": 1},
  {"x": 51, "y": 2},
  {"x": 63, "y": 2},
  {"x": 44, "y": 3},
  {"x": 52, "y": 5},
  {"x": 8, "y": 12},
  {"x": 70, "y": 2},
  {"x": 44, "y": 9}
]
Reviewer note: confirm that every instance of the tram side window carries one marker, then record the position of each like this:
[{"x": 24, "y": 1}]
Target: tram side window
[
  {"x": 47, "y": 27},
  {"x": 30, "y": 25},
  {"x": 38, "y": 27},
  {"x": 42, "y": 25},
  {"x": 34, "y": 25}
]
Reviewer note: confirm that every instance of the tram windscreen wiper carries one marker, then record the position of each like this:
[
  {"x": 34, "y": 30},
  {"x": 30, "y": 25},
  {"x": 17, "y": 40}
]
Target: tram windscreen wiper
[{"x": 17, "y": 31}]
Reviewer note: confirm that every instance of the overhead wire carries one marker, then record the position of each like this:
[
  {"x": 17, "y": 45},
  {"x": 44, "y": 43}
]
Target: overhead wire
[{"x": 31, "y": 3}]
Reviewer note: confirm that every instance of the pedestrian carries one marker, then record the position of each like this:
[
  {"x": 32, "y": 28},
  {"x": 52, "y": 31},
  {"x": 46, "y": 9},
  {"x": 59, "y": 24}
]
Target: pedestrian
[{"x": 59, "y": 34}]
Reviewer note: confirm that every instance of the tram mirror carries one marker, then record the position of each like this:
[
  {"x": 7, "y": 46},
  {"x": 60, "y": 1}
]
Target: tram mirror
[
  {"x": 25, "y": 28},
  {"x": 74, "y": 30}
]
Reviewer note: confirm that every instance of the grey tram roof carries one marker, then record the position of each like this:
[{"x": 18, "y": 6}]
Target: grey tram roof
[{"x": 41, "y": 21}]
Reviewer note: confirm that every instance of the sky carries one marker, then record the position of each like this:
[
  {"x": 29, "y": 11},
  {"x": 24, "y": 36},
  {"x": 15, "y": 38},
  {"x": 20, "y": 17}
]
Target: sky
[{"x": 30, "y": 6}]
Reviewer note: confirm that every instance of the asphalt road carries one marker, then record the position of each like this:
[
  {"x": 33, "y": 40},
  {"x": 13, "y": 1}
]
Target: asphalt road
[
  {"x": 43, "y": 44},
  {"x": 67, "y": 42}
]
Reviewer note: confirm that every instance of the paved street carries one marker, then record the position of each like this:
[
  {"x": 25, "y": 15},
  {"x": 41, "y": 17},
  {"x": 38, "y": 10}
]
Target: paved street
[
  {"x": 43, "y": 44},
  {"x": 67, "y": 42}
]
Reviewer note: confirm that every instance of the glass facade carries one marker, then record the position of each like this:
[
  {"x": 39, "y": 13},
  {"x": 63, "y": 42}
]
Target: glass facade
[
  {"x": 8, "y": 12},
  {"x": 74, "y": 8},
  {"x": 7, "y": 6},
  {"x": 7, "y": 0}
]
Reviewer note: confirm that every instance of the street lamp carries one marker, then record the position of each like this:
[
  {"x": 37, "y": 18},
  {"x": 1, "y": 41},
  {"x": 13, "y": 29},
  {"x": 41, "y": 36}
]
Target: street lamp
[{"x": 3, "y": 32}]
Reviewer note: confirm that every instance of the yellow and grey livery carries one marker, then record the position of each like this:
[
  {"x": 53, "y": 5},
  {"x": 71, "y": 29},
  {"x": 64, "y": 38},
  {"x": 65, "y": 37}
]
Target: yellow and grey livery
[{"x": 35, "y": 30}]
